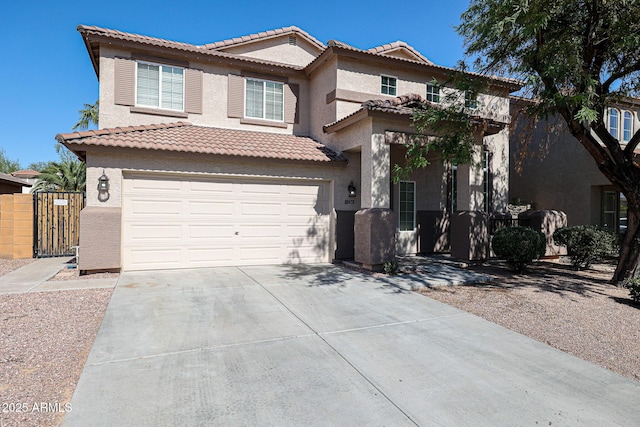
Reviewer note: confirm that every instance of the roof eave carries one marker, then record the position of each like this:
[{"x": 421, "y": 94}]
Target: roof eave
[
  {"x": 93, "y": 41},
  {"x": 511, "y": 85}
]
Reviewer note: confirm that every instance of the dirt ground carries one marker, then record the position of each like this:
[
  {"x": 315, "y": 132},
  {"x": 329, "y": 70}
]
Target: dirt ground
[{"x": 578, "y": 312}]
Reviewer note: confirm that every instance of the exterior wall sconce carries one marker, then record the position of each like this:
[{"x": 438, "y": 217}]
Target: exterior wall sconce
[
  {"x": 103, "y": 183},
  {"x": 352, "y": 189}
]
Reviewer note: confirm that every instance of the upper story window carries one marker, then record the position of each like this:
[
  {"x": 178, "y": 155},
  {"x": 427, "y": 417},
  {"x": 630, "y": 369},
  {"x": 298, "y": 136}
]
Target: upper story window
[
  {"x": 470, "y": 100},
  {"x": 160, "y": 86},
  {"x": 388, "y": 85},
  {"x": 613, "y": 122},
  {"x": 627, "y": 126},
  {"x": 433, "y": 93},
  {"x": 264, "y": 100}
]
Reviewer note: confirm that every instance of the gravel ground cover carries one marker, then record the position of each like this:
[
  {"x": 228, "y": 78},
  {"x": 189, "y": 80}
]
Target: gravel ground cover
[
  {"x": 74, "y": 274},
  {"x": 45, "y": 338},
  {"x": 8, "y": 265},
  {"x": 578, "y": 312}
]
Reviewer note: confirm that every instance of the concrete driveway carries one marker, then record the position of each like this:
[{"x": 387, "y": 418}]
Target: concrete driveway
[{"x": 321, "y": 345}]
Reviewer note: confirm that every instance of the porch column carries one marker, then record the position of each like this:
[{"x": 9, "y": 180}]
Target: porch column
[
  {"x": 376, "y": 173},
  {"x": 375, "y": 223}
]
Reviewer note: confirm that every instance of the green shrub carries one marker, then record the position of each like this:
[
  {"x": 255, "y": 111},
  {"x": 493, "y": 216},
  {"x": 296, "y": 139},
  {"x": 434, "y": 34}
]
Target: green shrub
[
  {"x": 519, "y": 246},
  {"x": 634, "y": 289},
  {"x": 391, "y": 267},
  {"x": 586, "y": 243}
]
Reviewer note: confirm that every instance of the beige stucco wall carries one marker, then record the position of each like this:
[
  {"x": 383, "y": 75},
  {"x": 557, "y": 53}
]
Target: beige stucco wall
[
  {"x": 278, "y": 49},
  {"x": 214, "y": 100},
  {"x": 556, "y": 173},
  {"x": 498, "y": 145},
  {"x": 365, "y": 77},
  {"x": 321, "y": 82}
]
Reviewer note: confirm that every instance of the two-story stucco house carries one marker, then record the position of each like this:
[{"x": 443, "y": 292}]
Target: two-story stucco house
[
  {"x": 552, "y": 170},
  {"x": 270, "y": 148}
]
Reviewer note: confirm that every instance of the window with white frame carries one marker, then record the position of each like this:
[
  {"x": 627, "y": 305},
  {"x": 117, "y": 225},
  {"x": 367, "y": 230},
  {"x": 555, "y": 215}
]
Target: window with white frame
[
  {"x": 388, "y": 85},
  {"x": 407, "y": 206},
  {"x": 433, "y": 93},
  {"x": 613, "y": 122},
  {"x": 160, "y": 86},
  {"x": 470, "y": 100},
  {"x": 627, "y": 126},
  {"x": 264, "y": 99}
]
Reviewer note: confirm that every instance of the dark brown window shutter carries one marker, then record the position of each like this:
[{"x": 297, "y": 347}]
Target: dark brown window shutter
[
  {"x": 291, "y": 108},
  {"x": 193, "y": 91},
  {"x": 235, "y": 100},
  {"x": 125, "y": 80}
]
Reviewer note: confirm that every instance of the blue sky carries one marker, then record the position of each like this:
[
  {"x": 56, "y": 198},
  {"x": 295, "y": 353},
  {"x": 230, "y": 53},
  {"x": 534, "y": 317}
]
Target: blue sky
[{"x": 47, "y": 75}]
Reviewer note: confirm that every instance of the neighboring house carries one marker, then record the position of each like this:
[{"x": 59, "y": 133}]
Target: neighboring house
[
  {"x": 28, "y": 175},
  {"x": 551, "y": 169},
  {"x": 10, "y": 184},
  {"x": 261, "y": 149}
]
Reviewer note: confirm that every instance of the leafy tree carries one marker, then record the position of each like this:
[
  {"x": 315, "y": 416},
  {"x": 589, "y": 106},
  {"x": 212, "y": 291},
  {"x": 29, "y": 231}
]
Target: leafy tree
[
  {"x": 38, "y": 166},
  {"x": 576, "y": 58},
  {"x": 88, "y": 116},
  {"x": 7, "y": 165},
  {"x": 65, "y": 175}
]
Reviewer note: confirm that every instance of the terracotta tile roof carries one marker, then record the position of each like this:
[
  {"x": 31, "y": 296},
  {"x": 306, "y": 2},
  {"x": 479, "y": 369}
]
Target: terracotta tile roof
[
  {"x": 338, "y": 43},
  {"x": 89, "y": 31},
  {"x": 25, "y": 173},
  {"x": 403, "y": 106},
  {"x": 186, "y": 138},
  {"x": 265, "y": 35},
  {"x": 399, "y": 45}
]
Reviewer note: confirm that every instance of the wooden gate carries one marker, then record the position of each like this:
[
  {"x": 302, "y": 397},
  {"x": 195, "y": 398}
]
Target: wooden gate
[{"x": 56, "y": 223}]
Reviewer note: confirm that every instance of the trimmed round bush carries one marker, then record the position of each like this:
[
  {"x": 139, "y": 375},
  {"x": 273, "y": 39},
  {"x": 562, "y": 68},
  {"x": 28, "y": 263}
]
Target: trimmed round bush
[
  {"x": 634, "y": 289},
  {"x": 586, "y": 243},
  {"x": 519, "y": 246}
]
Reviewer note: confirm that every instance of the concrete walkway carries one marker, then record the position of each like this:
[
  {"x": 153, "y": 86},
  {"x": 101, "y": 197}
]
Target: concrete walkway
[
  {"x": 323, "y": 345},
  {"x": 34, "y": 277}
]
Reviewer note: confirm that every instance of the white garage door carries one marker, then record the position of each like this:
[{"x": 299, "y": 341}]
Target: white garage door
[{"x": 187, "y": 221}]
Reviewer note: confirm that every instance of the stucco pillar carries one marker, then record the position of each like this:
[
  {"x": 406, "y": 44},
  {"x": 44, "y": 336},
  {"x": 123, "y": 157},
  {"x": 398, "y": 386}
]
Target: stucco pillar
[
  {"x": 376, "y": 173},
  {"x": 470, "y": 235},
  {"x": 100, "y": 239},
  {"x": 375, "y": 224},
  {"x": 375, "y": 241}
]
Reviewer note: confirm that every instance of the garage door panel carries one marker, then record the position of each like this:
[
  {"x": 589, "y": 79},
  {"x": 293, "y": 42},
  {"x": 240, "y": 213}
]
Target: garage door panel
[
  {"x": 253, "y": 190},
  {"x": 154, "y": 185},
  {"x": 308, "y": 232},
  {"x": 251, "y": 209},
  {"x": 220, "y": 190},
  {"x": 154, "y": 232},
  {"x": 210, "y": 208},
  {"x": 249, "y": 231},
  {"x": 211, "y": 231},
  {"x": 155, "y": 207},
  {"x": 221, "y": 221}
]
